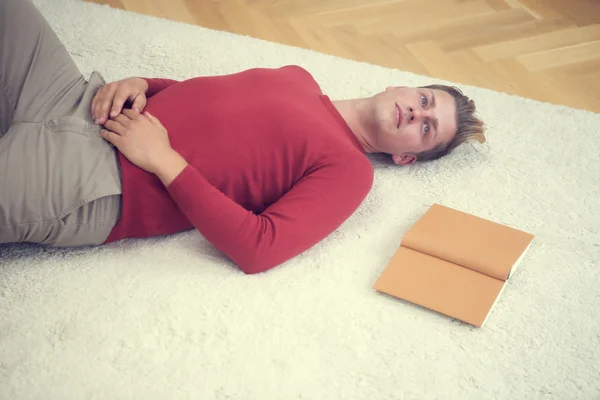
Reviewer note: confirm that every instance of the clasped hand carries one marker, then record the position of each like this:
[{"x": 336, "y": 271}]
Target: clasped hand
[{"x": 141, "y": 138}]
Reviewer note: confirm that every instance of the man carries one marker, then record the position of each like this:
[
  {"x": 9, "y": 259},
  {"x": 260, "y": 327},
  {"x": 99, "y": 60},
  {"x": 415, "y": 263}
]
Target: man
[{"x": 261, "y": 162}]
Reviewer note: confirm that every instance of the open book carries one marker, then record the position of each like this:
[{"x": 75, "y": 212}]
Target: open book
[{"x": 454, "y": 263}]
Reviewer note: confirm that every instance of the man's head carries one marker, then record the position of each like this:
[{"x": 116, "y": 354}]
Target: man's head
[{"x": 421, "y": 124}]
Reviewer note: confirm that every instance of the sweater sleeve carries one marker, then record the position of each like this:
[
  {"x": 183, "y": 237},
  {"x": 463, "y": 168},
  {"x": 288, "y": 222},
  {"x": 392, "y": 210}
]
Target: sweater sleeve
[
  {"x": 155, "y": 85},
  {"x": 317, "y": 205}
]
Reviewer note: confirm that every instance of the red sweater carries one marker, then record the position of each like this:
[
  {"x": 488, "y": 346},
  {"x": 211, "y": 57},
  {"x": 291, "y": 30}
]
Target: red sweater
[{"x": 273, "y": 168}]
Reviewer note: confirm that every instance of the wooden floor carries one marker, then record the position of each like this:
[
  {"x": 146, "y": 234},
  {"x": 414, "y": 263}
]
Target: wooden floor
[{"x": 547, "y": 50}]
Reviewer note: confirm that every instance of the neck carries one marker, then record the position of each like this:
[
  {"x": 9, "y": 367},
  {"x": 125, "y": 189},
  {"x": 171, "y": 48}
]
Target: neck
[{"x": 356, "y": 114}]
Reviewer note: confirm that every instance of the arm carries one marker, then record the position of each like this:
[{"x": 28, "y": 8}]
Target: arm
[
  {"x": 156, "y": 85},
  {"x": 308, "y": 213},
  {"x": 321, "y": 201}
]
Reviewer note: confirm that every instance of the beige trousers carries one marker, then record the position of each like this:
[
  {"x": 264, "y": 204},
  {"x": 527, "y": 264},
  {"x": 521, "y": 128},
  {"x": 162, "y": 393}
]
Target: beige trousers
[{"x": 60, "y": 183}]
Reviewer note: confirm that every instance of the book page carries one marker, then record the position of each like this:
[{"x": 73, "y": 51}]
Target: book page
[
  {"x": 467, "y": 240},
  {"x": 441, "y": 286},
  {"x": 514, "y": 268}
]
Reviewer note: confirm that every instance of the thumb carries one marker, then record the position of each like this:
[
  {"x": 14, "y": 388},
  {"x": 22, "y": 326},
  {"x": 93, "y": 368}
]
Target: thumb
[
  {"x": 139, "y": 103},
  {"x": 153, "y": 119}
]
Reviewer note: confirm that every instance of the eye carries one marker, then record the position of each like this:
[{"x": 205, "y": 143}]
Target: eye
[
  {"x": 423, "y": 100},
  {"x": 426, "y": 128}
]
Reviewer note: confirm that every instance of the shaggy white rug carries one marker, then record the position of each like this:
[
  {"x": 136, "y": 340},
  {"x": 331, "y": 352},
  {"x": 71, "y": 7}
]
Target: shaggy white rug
[{"x": 170, "y": 318}]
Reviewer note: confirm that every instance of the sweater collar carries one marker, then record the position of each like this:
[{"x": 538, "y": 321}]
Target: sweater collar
[{"x": 342, "y": 122}]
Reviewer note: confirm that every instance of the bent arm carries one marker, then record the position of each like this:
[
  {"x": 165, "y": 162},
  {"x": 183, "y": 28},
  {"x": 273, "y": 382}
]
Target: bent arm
[
  {"x": 156, "y": 85},
  {"x": 309, "y": 212}
]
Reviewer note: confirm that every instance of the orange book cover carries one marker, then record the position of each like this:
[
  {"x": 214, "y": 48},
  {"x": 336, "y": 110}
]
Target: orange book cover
[{"x": 454, "y": 263}]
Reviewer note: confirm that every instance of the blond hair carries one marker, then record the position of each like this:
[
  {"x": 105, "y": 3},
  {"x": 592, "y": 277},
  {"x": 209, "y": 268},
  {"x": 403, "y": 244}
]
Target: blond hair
[{"x": 468, "y": 126}]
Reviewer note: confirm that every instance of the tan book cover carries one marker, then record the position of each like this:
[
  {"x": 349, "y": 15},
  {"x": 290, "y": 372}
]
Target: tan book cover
[{"x": 454, "y": 263}]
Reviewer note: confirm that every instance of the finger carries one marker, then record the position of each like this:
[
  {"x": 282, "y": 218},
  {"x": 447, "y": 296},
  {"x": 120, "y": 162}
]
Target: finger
[
  {"x": 115, "y": 127},
  {"x": 139, "y": 102},
  {"x": 153, "y": 119},
  {"x": 111, "y": 137},
  {"x": 96, "y": 102},
  {"x": 129, "y": 114},
  {"x": 120, "y": 99},
  {"x": 122, "y": 118},
  {"x": 106, "y": 103}
]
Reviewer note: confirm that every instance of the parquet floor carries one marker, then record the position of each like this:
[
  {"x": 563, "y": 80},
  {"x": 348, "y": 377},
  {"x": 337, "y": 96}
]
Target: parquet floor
[{"x": 546, "y": 50}]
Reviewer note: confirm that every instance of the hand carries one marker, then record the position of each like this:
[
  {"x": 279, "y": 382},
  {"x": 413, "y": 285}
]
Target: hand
[
  {"x": 141, "y": 138},
  {"x": 112, "y": 97}
]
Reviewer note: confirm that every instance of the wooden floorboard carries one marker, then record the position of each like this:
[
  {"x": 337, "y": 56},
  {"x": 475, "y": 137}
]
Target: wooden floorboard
[{"x": 546, "y": 50}]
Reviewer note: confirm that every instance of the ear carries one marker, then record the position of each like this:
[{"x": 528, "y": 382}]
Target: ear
[{"x": 404, "y": 159}]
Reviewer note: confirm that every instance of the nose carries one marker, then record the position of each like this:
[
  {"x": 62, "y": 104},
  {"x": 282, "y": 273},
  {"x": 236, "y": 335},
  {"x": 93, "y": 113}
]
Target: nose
[{"x": 416, "y": 114}]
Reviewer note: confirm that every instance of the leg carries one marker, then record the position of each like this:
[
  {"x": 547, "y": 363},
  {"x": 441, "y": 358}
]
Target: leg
[
  {"x": 61, "y": 184},
  {"x": 38, "y": 78},
  {"x": 59, "y": 180},
  {"x": 90, "y": 224},
  {"x": 5, "y": 109}
]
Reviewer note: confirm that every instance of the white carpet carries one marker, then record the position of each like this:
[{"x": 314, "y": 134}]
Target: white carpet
[{"x": 170, "y": 318}]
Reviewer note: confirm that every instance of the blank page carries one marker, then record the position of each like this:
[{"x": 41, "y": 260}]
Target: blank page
[
  {"x": 468, "y": 240},
  {"x": 439, "y": 285}
]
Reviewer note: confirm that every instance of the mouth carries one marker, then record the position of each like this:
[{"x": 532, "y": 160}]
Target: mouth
[{"x": 399, "y": 116}]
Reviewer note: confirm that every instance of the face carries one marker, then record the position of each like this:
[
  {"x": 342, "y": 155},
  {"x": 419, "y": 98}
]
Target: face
[{"x": 412, "y": 120}]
